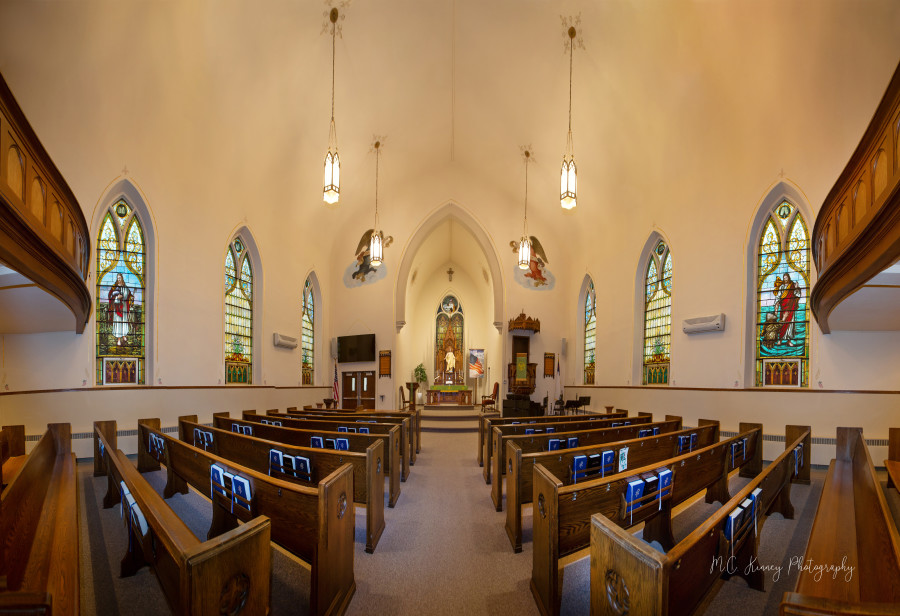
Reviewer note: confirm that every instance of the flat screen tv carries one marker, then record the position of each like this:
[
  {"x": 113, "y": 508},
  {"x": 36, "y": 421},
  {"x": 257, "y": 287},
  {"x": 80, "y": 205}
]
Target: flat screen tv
[{"x": 356, "y": 348}]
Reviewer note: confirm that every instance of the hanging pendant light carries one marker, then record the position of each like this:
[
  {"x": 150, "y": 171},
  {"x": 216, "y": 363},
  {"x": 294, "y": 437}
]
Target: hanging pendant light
[
  {"x": 568, "y": 176},
  {"x": 525, "y": 243},
  {"x": 332, "y": 181},
  {"x": 376, "y": 243}
]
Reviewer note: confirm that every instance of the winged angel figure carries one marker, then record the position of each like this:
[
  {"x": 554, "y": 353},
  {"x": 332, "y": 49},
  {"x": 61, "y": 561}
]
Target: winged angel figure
[
  {"x": 538, "y": 261},
  {"x": 363, "y": 263}
]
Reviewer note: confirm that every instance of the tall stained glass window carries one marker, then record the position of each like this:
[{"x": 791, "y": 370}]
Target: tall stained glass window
[
  {"x": 121, "y": 312},
  {"x": 238, "y": 314},
  {"x": 590, "y": 332},
  {"x": 308, "y": 335},
  {"x": 658, "y": 316},
  {"x": 782, "y": 315},
  {"x": 448, "y": 342}
]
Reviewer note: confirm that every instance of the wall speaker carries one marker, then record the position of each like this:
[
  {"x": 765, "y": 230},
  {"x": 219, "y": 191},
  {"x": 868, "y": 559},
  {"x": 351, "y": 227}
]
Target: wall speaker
[
  {"x": 334, "y": 348},
  {"x": 564, "y": 347}
]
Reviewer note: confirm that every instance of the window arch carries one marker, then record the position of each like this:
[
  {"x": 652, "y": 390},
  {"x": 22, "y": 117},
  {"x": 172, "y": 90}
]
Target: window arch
[
  {"x": 590, "y": 331},
  {"x": 782, "y": 283},
  {"x": 238, "y": 313},
  {"x": 657, "y": 315},
  {"x": 449, "y": 349},
  {"x": 121, "y": 302},
  {"x": 308, "y": 334}
]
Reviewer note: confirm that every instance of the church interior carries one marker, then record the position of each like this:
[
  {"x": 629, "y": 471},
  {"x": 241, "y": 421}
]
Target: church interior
[{"x": 725, "y": 250}]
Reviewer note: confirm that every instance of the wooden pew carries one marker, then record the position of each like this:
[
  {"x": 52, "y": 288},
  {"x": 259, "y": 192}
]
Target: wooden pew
[
  {"x": 414, "y": 415},
  {"x": 225, "y": 574},
  {"x": 674, "y": 583},
  {"x": 301, "y": 438},
  {"x": 12, "y": 453},
  {"x": 487, "y": 423},
  {"x": 407, "y": 420},
  {"x": 315, "y": 524},
  {"x": 892, "y": 463},
  {"x": 589, "y": 433},
  {"x": 562, "y": 510},
  {"x": 289, "y": 421},
  {"x": 39, "y": 569},
  {"x": 853, "y": 531},
  {"x": 641, "y": 451},
  {"x": 253, "y": 452}
]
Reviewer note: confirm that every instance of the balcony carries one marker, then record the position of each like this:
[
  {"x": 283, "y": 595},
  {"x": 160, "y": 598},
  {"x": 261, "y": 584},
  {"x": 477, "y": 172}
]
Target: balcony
[
  {"x": 856, "y": 238},
  {"x": 44, "y": 238}
]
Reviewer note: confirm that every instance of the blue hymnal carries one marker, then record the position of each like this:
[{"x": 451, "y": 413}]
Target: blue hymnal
[
  {"x": 235, "y": 428},
  {"x": 302, "y": 467},
  {"x": 342, "y": 444},
  {"x": 363, "y": 430},
  {"x": 529, "y": 430},
  {"x": 342, "y": 428},
  {"x": 633, "y": 492},
  {"x": 626, "y": 423},
  {"x": 747, "y": 506},
  {"x": 684, "y": 442},
  {"x": 643, "y": 433},
  {"x": 198, "y": 438},
  {"x": 665, "y": 480},
  {"x": 549, "y": 430},
  {"x": 276, "y": 423},
  {"x": 316, "y": 441},
  {"x": 609, "y": 458},
  {"x": 579, "y": 464},
  {"x": 615, "y": 424},
  {"x": 241, "y": 487},
  {"x": 693, "y": 440},
  {"x": 276, "y": 461},
  {"x": 754, "y": 498},
  {"x": 736, "y": 449},
  {"x": 655, "y": 430},
  {"x": 553, "y": 444},
  {"x": 732, "y": 523},
  {"x": 217, "y": 479},
  {"x": 572, "y": 442}
]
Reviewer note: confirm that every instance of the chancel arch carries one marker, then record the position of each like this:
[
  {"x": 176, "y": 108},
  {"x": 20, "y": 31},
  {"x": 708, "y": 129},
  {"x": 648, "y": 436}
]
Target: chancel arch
[{"x": 125, "y": 282}]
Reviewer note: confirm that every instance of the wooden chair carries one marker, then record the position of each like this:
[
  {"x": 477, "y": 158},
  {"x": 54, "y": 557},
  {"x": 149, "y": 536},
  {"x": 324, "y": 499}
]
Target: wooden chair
[
  {"x": 403, "y": 403},
  {"x": 490, "y": 402}
]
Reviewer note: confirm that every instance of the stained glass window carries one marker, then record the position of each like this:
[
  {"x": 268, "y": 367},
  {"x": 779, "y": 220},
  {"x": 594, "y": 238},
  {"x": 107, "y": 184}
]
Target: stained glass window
[
  {"x": 238, "y": 314},
  {"x": 782, "y": 283},
  {"x": 658, "y": 316},
  {"x": 308, "y": 336},
  {"x": 121, "y": 312},
  {"x": 590, "y": 333},
  {"x": 448, "y": 342}
]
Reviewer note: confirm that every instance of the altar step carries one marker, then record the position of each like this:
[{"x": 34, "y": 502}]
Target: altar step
[
  {"x": 449, "y": 407},
  {"x": 449, "y": 419}
]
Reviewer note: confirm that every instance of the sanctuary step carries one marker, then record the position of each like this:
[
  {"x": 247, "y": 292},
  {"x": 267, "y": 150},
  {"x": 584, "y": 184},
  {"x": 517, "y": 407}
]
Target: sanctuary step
[{"x": 449, "y": 419}]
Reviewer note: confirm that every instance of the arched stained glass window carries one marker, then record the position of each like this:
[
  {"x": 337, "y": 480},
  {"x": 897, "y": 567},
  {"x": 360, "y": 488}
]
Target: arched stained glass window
[
  {"x": 308, "y": 335},
  {"x": 121, "y": 289},
  {"x": 658, "y": 316},
  {"x": 782, "y": 283},
  {"x": 590, "y": 332},
  {"x": 238, "y": 314},
  {"x": 448, "y": 342}
]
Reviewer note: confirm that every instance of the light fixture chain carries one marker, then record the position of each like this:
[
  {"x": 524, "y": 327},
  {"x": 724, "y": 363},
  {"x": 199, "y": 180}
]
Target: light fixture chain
[
  {"x": 333, "y": 35},
  {"x": 377, "y": 158},
  {"x": 571, "y": 55},
  {"x": 525, "y": 223}
]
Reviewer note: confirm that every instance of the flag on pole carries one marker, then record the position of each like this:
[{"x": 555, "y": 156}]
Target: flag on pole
[{"x": 334, "y": 387}]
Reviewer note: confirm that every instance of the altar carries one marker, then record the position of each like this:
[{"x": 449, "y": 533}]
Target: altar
[{"x": 449, "y": 394}]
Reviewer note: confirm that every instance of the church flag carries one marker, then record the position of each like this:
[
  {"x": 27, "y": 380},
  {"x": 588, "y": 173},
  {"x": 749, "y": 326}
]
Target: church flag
[
  {"x": 476, "y": 363},
  {"x": 334, "y": 387}
]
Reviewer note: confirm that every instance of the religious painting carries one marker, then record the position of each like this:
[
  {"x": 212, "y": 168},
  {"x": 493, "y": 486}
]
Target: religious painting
[
  {"x": 782, "y": 337},
  {"x": 476, "y": 363},
  {"x": 362, "y": 271},
  {"x": 657, "y": 315},
  {"x": 120, "y": 307},
  {"x": 448, "y": 342},
  {"x": 536, "y": 277}
]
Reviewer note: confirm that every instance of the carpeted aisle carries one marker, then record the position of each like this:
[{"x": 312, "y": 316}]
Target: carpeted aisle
[{"x": 444, "y": 549}]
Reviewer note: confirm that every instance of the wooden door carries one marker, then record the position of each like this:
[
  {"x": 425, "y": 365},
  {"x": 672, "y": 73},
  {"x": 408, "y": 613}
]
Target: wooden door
[
  {"x": 350, "y": 390},
  {"x": 367, "y": 389},
  {"x": 358, "y": 390}
]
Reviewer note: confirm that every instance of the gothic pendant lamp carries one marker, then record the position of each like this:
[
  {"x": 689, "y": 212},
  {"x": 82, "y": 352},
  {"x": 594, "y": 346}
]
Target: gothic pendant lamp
[
  {"x": 568, "y": 177},
  {"x": 376, "y": 243},
  {"x": 525, "y": 243},
  {"x": 332, "y": 182}
]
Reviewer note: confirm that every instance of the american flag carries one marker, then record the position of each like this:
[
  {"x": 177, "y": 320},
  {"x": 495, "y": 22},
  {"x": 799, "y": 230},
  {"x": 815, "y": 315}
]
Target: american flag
[
  {"x": 334, "y": 386},
  {"x": 475, "y": 366}
]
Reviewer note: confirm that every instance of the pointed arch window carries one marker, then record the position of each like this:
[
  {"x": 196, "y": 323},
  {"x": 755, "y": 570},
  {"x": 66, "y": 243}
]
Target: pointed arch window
[
  {"x": 448, "y": 342},
  {"x": 590, "y": 332},
  {"x": 658, "y": 316},
  {"x": 782, "y": 310},
  {"x": 238, "y": 314},
  {"x": 308, "y": 334},
  {"x": 121, "y": 310}
]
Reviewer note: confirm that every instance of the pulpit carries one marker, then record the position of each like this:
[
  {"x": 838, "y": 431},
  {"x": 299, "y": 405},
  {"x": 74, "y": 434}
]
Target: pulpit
[{"x": 412, "y": 387}]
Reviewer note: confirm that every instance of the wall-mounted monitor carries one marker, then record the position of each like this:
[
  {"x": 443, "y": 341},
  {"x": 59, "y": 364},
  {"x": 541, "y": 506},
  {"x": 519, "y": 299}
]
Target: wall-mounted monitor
[{"x": 356, "y": 348}]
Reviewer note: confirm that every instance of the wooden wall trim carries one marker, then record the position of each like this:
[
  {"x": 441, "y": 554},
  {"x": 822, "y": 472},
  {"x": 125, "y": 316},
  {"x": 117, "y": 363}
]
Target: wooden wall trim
[
  {"x": 857, "y": 231},
  {"x": 51, "y": 247},
  {"x": 744, "y": 390},
  {"x": 157, "y": 388}
]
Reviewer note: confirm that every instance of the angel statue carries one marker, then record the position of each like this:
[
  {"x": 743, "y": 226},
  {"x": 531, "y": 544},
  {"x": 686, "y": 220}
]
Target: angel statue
[
  {"x": 363, "y": 261},
  {"x": 538, "y": 261}
]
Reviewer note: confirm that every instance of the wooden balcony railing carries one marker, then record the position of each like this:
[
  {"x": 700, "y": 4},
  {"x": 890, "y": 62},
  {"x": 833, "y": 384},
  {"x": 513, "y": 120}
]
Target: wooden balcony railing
[
  {"x": 857, "y": 231},
  {"x": 43, "y": 233}
]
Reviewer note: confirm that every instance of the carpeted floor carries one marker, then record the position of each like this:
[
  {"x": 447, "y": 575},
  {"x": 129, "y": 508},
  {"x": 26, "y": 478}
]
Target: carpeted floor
[{"x": 444, "y": 549}]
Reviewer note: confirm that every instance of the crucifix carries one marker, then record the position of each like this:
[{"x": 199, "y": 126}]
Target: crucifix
[{"x": 450, "y": 273}]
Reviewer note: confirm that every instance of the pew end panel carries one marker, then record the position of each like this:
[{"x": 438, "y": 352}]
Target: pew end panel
[
  {"x": 546, "y": 577},
  {"x": 754, "y": 468},
  {"x": 717, "y": 432},
  {"x": 626, "y": 574},
  {"x": 677, "y": 418},
  {"x": 513, "y": 499},
  {"x": 333, "y": 580},
  {"x": 182, "y": 436},
  {"x": 791, "y": 434},
  {"x": 225, "y": 414},
  {"x": 374, "y": 494},
  {"x": 15, "y": 436},
  {"x": 145, "y": 461},
  {"x": 108, "y": 429}
]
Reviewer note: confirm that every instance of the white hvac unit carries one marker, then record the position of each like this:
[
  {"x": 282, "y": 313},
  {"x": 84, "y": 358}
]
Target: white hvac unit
[
  {"x": 287, "y": 342},
  {"x": 714, "y": 323}
]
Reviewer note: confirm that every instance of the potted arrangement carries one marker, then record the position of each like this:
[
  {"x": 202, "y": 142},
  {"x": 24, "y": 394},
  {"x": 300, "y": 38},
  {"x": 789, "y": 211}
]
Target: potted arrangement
[{"x": 421, "y": 377}]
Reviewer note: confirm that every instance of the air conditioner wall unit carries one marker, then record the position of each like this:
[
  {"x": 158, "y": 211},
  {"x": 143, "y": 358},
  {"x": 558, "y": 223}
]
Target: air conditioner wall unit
[
  {"x": 281, "y": 340},
  {"x": 714, "y": 323}
]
